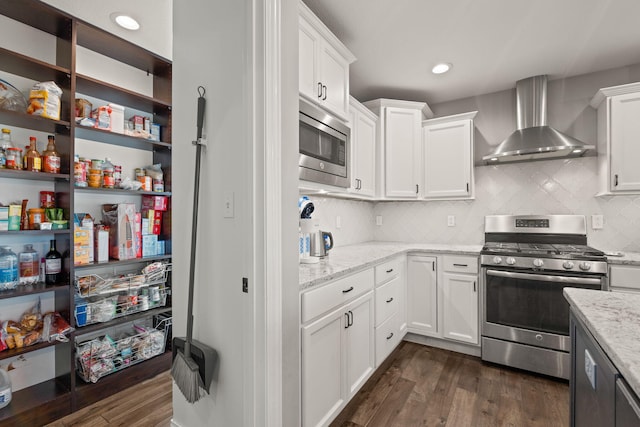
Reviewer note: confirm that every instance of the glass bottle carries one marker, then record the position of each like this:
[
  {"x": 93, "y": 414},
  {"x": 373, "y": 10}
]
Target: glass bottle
[
  {"x": 8, "y": 268},
  {"x": 51, "y": 157},
  {"x": 52, "y": 265},
  {"x": 29, "y": 264},
  {"x": 32, "y": 159},
  {"x": 5, "y": 143},
  {"x": 108, "y": 180}
]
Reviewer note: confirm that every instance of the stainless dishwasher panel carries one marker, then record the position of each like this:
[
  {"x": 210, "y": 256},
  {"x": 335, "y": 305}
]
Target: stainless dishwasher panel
[{"x": 593, "y": 381}]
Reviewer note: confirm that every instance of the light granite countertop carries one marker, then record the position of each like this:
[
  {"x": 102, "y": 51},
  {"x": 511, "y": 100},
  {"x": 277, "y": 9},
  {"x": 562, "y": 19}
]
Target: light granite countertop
[
  {"x": 613, "y": 318},
  {"x": 344, "y": 260},
  {"x": 623, "y": 258}
]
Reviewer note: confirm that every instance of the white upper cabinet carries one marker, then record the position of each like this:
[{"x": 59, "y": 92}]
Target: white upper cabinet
[
  {"x": 323, "y": 69},
  {"x": 447, "y": 157},
  {"x": 363, "y": 147},
  {"x": 618, "y": 136},
  {"x": 399, "y": 146}
]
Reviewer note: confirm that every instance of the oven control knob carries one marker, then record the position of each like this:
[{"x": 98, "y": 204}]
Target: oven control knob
[
  {"x": 538, "y": 262},
  {"x": 585, "y": 265},
  {"x": 568, "y": 265},
  {"x": 511, "y": 260},
  {"x": 497, "y": 260}
]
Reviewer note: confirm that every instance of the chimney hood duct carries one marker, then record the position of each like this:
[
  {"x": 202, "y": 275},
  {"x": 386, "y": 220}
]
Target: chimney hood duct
[{"x": 534, "y": 139}]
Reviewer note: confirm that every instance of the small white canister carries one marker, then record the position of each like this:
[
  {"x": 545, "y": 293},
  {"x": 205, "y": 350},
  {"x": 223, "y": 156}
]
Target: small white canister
[{"x": 5, "y": 388}]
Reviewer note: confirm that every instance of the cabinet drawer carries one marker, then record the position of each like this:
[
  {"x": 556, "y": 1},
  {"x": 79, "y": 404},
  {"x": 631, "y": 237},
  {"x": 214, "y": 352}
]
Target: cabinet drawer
[
  {"x": 327, "y": 297},
  {"x": 461, "y": 264},
  {"x": 387, "y": 299},
  {"x": 389, "y": 270},
  {"x": 625, "y": 276},
  {"x": 387, "y": 338}
]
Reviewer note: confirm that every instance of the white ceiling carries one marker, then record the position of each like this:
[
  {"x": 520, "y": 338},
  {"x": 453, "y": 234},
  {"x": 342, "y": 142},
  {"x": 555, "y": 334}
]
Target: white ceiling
[{"x": 491, "y": 43}]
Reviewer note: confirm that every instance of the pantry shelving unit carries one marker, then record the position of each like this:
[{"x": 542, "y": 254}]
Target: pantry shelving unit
[{"x": 65, "y": 392}]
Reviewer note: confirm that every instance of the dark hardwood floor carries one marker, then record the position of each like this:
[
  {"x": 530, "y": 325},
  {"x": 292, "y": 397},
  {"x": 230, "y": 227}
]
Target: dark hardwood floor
[{"x": 426, "y": 386}]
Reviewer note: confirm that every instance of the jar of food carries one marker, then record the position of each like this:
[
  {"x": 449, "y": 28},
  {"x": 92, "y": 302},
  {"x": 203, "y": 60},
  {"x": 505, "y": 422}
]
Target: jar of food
[
  {"x": 79, "y": 173},
  {"x": 32, "y": 158},
  {"x": 158, "y": 185},
  {"x": 29, "y": 265},
  {"x": 47, "y": 199},
  {"x": 36, "y": 216},
  {"x": 13, "y": 158},
  {"x": 108, "y": 180},
  {"x": 95, "y": 178},
  {"x": 51, "y": 163}
]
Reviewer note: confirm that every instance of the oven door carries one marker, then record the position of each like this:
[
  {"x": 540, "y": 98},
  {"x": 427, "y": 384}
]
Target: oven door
[{"x": 529, "y": 307}]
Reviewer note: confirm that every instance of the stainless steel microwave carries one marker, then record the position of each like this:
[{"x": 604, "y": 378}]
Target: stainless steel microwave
[{"x": 324, "y": 147}]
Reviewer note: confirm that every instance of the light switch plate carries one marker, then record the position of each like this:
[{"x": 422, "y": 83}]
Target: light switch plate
[
  {"x": 590, "y": 368},
  {"x": 451, "y": 221},
  {"x": 378, "y": 219}
]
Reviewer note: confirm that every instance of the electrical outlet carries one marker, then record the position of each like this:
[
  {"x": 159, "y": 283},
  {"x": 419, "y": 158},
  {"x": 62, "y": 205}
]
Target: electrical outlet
[
  {"x": 597, "y": 222},
  {"x": 338, "y": 221},
  {"x": 378, "y": 219},
  {"x": 451, "y": 221},
  {"x": 590, "y": 368}
]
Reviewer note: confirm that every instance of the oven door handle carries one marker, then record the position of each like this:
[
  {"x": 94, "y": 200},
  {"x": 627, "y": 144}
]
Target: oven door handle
[{"x": 545, "y": 278}]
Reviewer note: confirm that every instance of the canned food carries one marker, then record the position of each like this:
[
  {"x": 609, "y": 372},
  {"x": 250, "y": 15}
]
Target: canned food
[
  {"x": 158, "y": 185},
  {"x": 47, "y": 199},
  {"x": 36, "y": 216},
  {"x": 146, "y": 183},
  {"x": 95, "y": 178},
  {"x": 13, "y": 158}
]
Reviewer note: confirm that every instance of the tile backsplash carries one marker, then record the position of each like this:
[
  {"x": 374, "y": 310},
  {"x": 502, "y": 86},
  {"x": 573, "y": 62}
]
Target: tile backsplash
[{"x": 545, "y": 187}]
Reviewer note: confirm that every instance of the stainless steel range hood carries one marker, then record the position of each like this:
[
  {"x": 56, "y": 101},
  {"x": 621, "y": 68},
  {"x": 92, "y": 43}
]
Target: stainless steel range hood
[{"x": 534, "y": 139}]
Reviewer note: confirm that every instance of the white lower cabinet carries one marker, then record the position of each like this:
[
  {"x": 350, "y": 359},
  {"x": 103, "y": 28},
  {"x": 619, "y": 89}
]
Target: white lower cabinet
[
  {"x": 460, "y": 307},
  {"x": 422, "y": 295},
  {"x": 391, "y": 313},
  {"x": 624, "y": 278},
  {"x": 443, "y": 304},
  {"x": 338, "y": 351}
]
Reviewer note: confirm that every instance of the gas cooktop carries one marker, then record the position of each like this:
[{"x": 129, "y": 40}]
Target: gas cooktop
[{"x": 542, "y": 249}]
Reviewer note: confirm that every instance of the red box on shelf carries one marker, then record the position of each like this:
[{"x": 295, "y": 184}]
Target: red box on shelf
[{"x": 158, "y": 203}]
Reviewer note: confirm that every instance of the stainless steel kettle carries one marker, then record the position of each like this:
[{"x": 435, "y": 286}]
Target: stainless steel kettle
[{"x": 321, "y": 243}]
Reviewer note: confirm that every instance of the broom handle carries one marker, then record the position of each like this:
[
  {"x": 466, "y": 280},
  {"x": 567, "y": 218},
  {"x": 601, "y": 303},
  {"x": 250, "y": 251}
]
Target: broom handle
[{"x": 194, "y": 223}]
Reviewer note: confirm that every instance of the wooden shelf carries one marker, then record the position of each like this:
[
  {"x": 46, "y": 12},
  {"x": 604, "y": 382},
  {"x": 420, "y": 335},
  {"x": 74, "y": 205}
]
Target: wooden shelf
[
  {"x": 33, "y": 176},
  {"x": 35, "y": 232},
  {"x": 39, "y": 15},
  {"x": 37, "y": 405},
  {"x": 114, "y": 138},
  {"x": 116, "y": 262},
  {"x": 39, "y": 123},
  {"x": 40, "y": 288},
  {"x": 24, "y": 350},
  {"x": 121, "y": 191},
  {"x": 16, "y": 63},
  {"x": 84, "y": 330},
  {"x": 88, "y": 393}
]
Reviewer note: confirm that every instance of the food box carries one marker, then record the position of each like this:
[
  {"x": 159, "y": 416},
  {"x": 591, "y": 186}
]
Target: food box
[
  {"x": 155, "y": 132},
  {"x": 4, "y": 225},
  {"x": 155, "y": 220},
  {"x": 117, "y": 118},
  {"x": 121, "y": 221},
  {"x": 101, "y": 235},
  {"x": 138, "y": 229},
  {"x": 83, "y": 108},
  {"x": 160, "y": 247},
  {"x": 14, "y": 213},
  {"x": 145, "y": 226},
  {"x": 149, "y": 245},
  {"x": 138, "y": 123},
  {"x": 4, "y": 213},
  {"x": 158, "y": 203},
  {"x": 82, "y": 239}
]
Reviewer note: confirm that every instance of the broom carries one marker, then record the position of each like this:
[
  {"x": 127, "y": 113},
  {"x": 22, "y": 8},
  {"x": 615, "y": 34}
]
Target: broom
[{"x": 185, "y": 371}]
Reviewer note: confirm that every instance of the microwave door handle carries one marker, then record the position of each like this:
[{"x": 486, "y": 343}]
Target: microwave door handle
[{"x": 545, "y": 278}]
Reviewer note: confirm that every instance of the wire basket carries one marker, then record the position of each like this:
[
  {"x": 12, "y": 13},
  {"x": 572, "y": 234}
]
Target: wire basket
[
  {"x": 105, "y": 355},
  {"x": 101, "y": 299}
]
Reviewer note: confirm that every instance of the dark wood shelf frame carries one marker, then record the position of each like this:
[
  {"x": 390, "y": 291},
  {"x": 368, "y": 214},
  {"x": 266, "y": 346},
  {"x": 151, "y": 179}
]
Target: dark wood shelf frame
[
  {"x": 122, "y": 191},
  {"x": 117, "y": 262},
  {"x": 36, "y": 232},
  {"x": 33, "y": 176},
  {"x": 27, "y": 121},
  {"x": 38, "y": 405},
  {"x": 16, "y": 63},
  {"x": 39, "y": 288},
  {"x": 24, "y": 350},
  {"x": 113, "y": 138}
]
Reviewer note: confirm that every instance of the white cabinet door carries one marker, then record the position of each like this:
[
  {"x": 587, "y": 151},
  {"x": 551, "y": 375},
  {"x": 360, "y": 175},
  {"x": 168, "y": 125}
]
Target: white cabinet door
[
  {"x": 402, "y": 152},
  {"x": 625, "y": 142},
  {"x": 364, "y": 145},
  {"x": 360, "y": 345},
  {"x": 460, "y": 307},
  {"x": 334, "y": 77},
  {"x": 323, "y": 386},
  {"x": 422, "y": 295},
  {"x": 308, "y": 46},
  {"x": 447, "y": 159}
]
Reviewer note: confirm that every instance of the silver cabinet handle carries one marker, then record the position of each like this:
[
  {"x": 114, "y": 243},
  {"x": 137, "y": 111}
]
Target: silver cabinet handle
[
  {"x": 555, "y": 279},
  {"x": 324, "y": 88},
  {"x": 319, "y": 89}
]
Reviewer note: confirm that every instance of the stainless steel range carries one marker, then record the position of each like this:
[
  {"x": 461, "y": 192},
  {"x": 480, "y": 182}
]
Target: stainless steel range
[{"x": 526, "y": 262}]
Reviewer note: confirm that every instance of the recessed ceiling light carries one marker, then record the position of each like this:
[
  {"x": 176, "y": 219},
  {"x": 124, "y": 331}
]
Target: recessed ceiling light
[
  {"x": 441, "y": 68},
  {"x": 577, "y": 151},
  {"x": 125, "y": 21},
  {"x": 493, "y": 159}
]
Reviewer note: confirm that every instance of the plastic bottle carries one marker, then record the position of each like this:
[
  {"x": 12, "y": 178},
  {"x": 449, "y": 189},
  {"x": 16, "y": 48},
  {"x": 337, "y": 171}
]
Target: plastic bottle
[
  {"x": 5, "y": 388},
  {"x": 51, "y": 157},
  {"x": 108, "y": 180},
  {"x": 32, "y": 159},
  {"x": 52, "y": 265},
  {"x": 29, "y": 264},
  {"x": 8, "y": 268}
]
